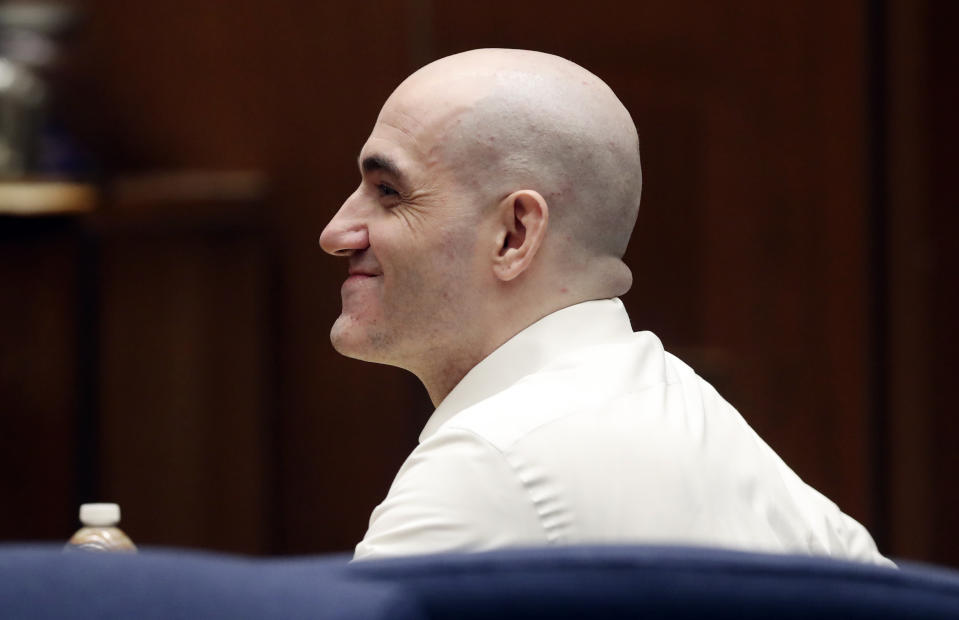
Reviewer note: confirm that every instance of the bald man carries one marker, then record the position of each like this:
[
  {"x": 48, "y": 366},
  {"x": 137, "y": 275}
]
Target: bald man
[{"x": 485, "y": 241}]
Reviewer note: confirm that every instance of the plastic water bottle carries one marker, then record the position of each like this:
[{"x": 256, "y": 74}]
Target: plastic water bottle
[{"x": 100, "y": 531}]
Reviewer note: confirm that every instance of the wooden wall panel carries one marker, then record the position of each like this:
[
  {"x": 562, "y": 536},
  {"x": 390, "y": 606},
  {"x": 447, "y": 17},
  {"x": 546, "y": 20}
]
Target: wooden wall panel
[
  {"x": 923, "y": 260},
  {"x": 39, "y": 377},
  {"x": 910, "y": 396},
  {"x": 184, "y": 444},
  {"x": 944, "y": 206}
]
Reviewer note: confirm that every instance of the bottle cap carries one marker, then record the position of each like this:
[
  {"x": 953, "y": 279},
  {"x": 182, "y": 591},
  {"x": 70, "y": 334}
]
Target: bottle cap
[{"x": 100, "y": 514}]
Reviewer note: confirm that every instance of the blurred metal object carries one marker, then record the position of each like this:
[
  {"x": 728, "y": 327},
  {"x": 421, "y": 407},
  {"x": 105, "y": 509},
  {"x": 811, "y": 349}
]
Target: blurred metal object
[{"x": 28, "y": 47}]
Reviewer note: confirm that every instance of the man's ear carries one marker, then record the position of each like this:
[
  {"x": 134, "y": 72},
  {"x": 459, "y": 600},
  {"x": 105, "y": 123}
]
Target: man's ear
[{"x": 524, "y": 216}]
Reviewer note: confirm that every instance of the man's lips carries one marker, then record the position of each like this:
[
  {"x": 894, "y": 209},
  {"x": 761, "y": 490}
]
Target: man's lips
[
  {"x": 362, "y": 270},
  {"x": 356, "y": 275}
]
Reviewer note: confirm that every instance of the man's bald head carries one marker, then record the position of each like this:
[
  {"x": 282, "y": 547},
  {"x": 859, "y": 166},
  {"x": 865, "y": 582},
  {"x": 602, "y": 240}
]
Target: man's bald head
[
  {"x": 497, "y": 186},
  {"x": 515, "y": 119}
]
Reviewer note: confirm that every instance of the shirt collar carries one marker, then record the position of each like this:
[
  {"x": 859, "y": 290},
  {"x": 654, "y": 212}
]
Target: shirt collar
[{"x": 574, "y": 327}]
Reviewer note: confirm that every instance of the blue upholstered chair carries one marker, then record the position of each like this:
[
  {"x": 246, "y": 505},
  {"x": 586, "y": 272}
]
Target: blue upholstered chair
[{"x": 568, "y": 582}]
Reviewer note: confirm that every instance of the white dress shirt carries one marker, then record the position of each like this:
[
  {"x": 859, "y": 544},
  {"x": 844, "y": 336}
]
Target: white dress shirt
[{"x": 578, "y": 430}]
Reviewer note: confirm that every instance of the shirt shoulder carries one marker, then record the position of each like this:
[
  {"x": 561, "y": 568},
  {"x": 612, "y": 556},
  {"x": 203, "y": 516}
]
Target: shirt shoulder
[{"x": 588, "y": 380}]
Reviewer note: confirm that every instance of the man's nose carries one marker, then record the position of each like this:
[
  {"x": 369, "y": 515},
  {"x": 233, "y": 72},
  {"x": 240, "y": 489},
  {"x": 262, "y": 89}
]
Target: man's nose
[{"x": 346, "y": 233}]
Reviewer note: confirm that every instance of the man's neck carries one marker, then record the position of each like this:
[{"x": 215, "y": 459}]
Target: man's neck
[{"x": 441, "y": 373}]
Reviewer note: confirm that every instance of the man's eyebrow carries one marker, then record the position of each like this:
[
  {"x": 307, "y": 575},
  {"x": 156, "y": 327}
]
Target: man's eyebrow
[{"x": 381, "y": 163}]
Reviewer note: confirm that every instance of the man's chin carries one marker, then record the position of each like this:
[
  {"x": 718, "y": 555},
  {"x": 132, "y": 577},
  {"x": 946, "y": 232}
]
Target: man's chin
[
  {"x": 352, "y": 340},
  {"x": 345, "y": 343}
]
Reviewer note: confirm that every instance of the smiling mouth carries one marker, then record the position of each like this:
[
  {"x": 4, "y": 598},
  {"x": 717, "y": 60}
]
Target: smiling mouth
[{"x": 363, "y": 269}]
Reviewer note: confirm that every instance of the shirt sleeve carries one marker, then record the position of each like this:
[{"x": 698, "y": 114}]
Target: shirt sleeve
[
  {"x": 860, "y": 546},
  {"x": 455, "y": 492}
]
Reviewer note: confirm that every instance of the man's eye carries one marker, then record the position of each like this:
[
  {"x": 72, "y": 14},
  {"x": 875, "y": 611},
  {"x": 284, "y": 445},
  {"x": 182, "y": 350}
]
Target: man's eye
[{"x": 386, "y": 190}]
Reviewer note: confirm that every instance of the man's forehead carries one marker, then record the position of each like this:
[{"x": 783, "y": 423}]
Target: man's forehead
[
  {"x": 430, "y": 101},
  {"x": 410, "y": 132},
  {"x": 390, "y": 149}
]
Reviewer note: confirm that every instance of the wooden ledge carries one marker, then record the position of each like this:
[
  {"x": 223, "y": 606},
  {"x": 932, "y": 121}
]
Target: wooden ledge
[{"x": 37, "y": 198}]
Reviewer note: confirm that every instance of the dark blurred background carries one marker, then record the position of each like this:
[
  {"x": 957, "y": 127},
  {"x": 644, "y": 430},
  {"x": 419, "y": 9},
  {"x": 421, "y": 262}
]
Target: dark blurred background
[{"x": 168, "y": 349}]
